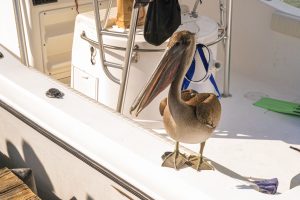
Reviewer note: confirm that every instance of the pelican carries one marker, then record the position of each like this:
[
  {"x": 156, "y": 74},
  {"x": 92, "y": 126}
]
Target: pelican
[{"x": 188, "y": 116}]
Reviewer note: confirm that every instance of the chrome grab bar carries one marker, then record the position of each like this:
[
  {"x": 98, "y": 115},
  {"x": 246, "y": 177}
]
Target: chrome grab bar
[
  {"x": 100, "y": 43},
  {"x": 227, "y": 41},
  {"x": 221, "y": 37},
  {"x": 21, "y": 32},
  {"x": 135, "y": 49},
  {"x": 107, "y": 13},
  {"x": 194, "y": 11},
  {"x": 127, "y": 58}
]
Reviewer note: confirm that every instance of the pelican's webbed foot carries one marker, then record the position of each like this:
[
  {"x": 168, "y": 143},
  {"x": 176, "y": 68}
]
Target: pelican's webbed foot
[
  {"x": 197, "y": 162},
  {"x": 174, "y": 159}
]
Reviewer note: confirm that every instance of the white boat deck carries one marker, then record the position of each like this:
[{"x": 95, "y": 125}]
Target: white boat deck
[{"x": 249, "y": 141}]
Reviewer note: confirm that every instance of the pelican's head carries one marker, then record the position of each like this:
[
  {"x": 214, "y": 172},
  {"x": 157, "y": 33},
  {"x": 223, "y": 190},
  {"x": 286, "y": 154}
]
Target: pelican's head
[
  {"x": 183, "y": 38},
  {"x": 179, "y": 53}
]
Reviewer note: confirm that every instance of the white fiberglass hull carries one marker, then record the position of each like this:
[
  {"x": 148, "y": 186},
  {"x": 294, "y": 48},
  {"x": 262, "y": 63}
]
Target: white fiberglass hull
[{"x": 81, "y": 149}]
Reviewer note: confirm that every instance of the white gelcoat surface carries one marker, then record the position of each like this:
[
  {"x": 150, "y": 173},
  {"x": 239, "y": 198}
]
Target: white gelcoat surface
[
  {"x": 234, "y": 154},
  {"x": 249, "y": 140}
]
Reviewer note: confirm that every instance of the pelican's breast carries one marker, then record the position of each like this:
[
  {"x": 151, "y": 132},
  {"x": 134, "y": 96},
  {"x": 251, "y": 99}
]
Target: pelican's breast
[
  {"x": 194, "y": 127},
  {"x": 186, "y": 130}
]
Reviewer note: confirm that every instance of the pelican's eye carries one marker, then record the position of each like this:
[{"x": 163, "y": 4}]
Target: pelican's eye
[{"x": 185, "y": 40}]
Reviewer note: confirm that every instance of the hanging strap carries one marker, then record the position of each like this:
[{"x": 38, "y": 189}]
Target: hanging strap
[
  {"x": 206, "y": 65},
  {"x": 189, "y": 75}
]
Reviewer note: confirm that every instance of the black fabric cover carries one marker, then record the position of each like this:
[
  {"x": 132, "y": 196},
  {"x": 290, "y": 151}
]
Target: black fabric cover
[
  {"x": 162, "y": 19},
  {"x": 142, "y": 2}
]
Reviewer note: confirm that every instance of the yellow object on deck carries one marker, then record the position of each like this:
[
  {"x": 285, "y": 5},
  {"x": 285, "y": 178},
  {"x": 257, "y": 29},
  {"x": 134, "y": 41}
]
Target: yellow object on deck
[
  {"x": 124, "y": 14},
  {"x": 11, "y": 187}
]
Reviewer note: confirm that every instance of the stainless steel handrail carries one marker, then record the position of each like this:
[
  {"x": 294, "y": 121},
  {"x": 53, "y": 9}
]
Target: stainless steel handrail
[
  {"x": 21, "y": 32},
  {"x": 220, "y": 38},
  {"x": 194, "y": 11},
  {"x": 107, "y": 13},
  {"x": 93, "y": 42},
  {"x": 113, "y": 65},
  {"x": 127, "y": 59},
  {"x": 226, "y": 85},
  {"x": 119, "y": 34},
  {"x": 135, "y": 49},
  {"x": 100, "y": 44},
  {"x": 128, "y": 53}
]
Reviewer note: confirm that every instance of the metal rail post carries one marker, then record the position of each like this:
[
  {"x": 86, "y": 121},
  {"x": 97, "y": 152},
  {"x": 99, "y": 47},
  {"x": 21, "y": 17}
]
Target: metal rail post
[
  {"x": 20, "y": 32},
  {"x": 127, "y": 59},
  {"x": 100, "y": 45},
  {"x": 226, "y": 85},
  {"x": 194, "y": 11}
]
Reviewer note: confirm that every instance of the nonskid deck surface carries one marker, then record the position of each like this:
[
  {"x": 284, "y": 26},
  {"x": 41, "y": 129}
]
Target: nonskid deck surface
[{"x": 251, "y": 141}]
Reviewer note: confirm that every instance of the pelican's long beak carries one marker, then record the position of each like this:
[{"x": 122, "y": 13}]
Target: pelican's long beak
[{"x": 161, "y": 78}]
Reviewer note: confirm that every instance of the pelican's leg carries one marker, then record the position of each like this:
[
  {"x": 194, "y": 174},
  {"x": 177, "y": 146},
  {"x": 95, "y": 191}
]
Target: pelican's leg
[
  {"x": 174, "y": 159},
  {"x": 197, "y": 162}
]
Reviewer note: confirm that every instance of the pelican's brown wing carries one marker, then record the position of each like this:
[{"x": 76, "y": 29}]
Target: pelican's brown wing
[
  {"x": 162, "y": 106},
  {"x": 186, "y": 95},
  {"x": 207, "y": 107}
]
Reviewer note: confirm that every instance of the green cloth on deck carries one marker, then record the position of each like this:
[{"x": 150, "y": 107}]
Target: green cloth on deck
[{"x": 279, "y": 106}]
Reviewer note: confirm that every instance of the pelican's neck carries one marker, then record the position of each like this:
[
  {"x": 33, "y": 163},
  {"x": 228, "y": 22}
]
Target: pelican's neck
[
  {"x": 175, "y": 88},
  {"x": 177, "y": 106}
]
